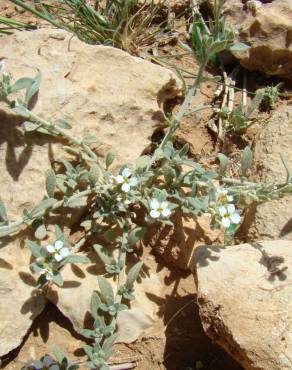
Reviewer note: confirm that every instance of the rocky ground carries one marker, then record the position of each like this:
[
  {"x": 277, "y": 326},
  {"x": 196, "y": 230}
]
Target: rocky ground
[{"x": 199, "y": 307}]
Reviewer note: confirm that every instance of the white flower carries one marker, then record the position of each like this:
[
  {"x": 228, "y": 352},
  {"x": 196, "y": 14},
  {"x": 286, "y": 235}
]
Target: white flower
[
  {"x": 159, "y": 208},
  {"x": 126, "y": 180},
  {"x": 122, "y": 203},
  {"x": 229, "y": 215},
  {"x": 223, "y": 197},
  {"x": 48, "y": 274},
  {"x": 58, "y": 250}
]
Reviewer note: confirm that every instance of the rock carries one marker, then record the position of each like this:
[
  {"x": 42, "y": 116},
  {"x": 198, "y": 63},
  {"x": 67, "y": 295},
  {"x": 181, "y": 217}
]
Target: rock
[
  {"x": 267, "y": 28},
  {"x": 20, "y": 301},
  {"x": 272, "y": 220},
  {"x": 81, "y": 282},
  {"x": 101, "y": 91},
  {"x": 245, "y": 301},
  {"x": 177, "y": 244}
]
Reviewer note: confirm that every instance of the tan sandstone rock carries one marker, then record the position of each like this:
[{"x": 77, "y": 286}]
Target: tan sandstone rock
[
  {"x": 177, "y": 244},
  {"x": 245, "y": 301},
  {"x": 73, "y": 299},
  {"x": 101, "y": 91},
  {"x": 267, "y": 28},
  {"x": 272, "y": 220},
  {"x": 20, "y": 301}
]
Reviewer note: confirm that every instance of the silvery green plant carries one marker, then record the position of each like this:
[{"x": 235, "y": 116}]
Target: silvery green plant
[
  {"x": 159, "y": 187},
  {"x": 238, "y": 120}
]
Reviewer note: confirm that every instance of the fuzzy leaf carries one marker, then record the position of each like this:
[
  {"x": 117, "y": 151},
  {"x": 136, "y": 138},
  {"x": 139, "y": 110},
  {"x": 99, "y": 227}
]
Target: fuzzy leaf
[
  {"x": 109, "y": 342},
  {"x": 50, "y": 182},
  {"x": 42, "y": 207},
  {"x": 75, "y": 258},
  {"x": 105, "y": 258},
  {"x": 143, "y": 161},
  {"x": 63, "y": 124},
  {"x": 21, "y": 111},
  {"x": 22, "y": 83},
  {"x": 110, "y": 157},
  {"x": 34, "y": 248},
  {"x": 133, "y": 274},
  {"x": 33, "y": 88},
  {"x": 239, "y": 47},
  {"x": 89, "y": 140},
  {"x": 136, "y": 235},
  {"x": 3, "y": 212},
  {"x": 94, "y": 305},
  {"x": 77, "y": 202},
  {"x": 246, "y": 160},
  {"x": 93, "y": 174},
  {"x": 106, "y": 290},
  {"x": 223, "y": 163},
  {"x": 41, "y": 232},
  {"x": 8, "y": 230},
  {"x": 59, "y": 233},
  {"x": 59, "y": 355},
  {"x": 58, "y": 279},
  {"x": 30, "y": 126}
]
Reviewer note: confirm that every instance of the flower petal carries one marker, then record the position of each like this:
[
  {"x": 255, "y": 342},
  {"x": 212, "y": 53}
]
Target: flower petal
[
  {"x": 38, "y": 365},
  {"x": 59, "y": 244},
  {"x": 166, "y": 212},
  {"x": 126, "y": 187},
  {"x": 126, "y": 172},
  {"x": 229, "y": 198},
  {"x": 164, "y": 205},
  {"x": 230, "y": 208},
  {"x": 222, "y": 211},
  {"x": 154, "y": 213},
  {"x": 47, "y": 361},
  {"x": 225, "y": 222},
  {"x": 154, "y": 204},
  {"x": 235, "y": 218},
  {"x": 119, "y": 179},
  {"x": 50, "y": 248},
  {"x": 58, "y": 257},
  {"x": 221, "y": 191}
]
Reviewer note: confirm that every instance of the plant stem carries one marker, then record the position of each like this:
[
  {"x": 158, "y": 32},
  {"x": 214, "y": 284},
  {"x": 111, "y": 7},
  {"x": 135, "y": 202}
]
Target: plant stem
[
  {"x": 14, "y": 226},
  {"x": 176, "y": 120}
]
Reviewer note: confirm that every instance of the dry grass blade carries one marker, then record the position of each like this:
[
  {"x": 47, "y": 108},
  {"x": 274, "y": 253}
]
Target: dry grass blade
[{"x": 125, "y": 24}]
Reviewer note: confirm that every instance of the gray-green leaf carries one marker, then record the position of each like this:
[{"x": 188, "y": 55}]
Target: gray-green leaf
[
  {"x": 110, "y": 157},
  {"x": 133, "y": 274},
  {"x": 3, "y": 212},
  {"x": 41, "y": 232},
  {"x": 246, "y": 160},
  {"x": 106, "y": 290},
  {"x": 50, "y": 182}
]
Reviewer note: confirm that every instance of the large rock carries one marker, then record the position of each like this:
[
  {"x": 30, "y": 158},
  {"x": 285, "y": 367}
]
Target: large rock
[
  {"x": 267, "y": 28},
  {"x": 245, "y": 301},
  {"x": 20, "y": 301},
  {"x": 272, "y": 220},
  {"x": 81, "y": 282},
  {"x": 102, "y": 91},
  {"x": 177, "y": 244}
]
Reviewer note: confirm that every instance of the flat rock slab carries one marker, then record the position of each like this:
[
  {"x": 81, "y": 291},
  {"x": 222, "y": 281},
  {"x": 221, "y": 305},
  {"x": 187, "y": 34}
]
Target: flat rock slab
[
  {"x": 272, "y": 220},
  {"x": 20, "y": 301},
  {"x": 73, "y": 300},
  {"x": 245, "y": 301},
  {"x": 101, "y": 91}
]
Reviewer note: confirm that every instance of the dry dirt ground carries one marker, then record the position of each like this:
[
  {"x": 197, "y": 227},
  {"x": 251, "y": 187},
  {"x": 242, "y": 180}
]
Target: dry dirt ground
[{"x": 178, "y": 341}]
